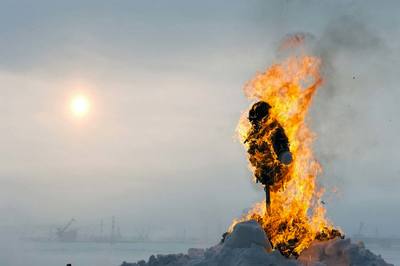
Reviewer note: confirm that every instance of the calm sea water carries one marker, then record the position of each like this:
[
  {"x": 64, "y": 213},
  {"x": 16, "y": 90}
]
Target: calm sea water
[{"x": 22, "y": 253}]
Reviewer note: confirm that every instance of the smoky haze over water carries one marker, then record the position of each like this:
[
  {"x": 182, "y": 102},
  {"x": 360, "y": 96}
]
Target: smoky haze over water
[{"x": 158, "y": 150}]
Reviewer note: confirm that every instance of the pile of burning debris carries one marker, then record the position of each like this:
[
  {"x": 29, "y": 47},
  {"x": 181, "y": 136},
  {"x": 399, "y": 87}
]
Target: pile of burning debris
[
  {"x": 291, "y": 223},
  {"x": 248, "y": 245}
]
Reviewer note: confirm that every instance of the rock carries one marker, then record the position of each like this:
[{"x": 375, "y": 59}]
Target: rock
[
  {"x": 196, "y": 252},
  {"x": 245, "y": 234},
  {"x": 340, "y": 252}
]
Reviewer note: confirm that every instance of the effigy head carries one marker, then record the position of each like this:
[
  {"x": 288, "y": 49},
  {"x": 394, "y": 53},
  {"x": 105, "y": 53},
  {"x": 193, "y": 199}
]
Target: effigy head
[{"x": 258, "y": 111}]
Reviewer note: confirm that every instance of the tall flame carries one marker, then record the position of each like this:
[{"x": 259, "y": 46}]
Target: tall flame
[{"x": 296, "y": 216}]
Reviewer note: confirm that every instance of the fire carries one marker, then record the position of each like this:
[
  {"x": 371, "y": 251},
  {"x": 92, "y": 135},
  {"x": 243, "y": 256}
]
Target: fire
[{"x": 296, "y": 216}]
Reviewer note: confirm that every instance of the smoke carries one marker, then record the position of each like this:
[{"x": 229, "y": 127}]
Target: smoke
[
  {"x": 349, "y": 49},
  {"x": 353, "y": 113},
  {"x": 346, "y": 39}
]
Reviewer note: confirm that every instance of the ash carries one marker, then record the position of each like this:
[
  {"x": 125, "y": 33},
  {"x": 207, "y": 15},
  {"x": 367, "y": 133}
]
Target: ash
[{"x": 248, "y": 245}]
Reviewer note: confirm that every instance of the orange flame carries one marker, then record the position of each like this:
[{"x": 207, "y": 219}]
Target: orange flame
[{"x": 296, "y": 216}]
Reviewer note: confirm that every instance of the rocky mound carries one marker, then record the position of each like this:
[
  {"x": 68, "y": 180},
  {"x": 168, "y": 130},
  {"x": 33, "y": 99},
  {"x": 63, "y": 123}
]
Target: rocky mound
[{"x": 248, "y": 245}]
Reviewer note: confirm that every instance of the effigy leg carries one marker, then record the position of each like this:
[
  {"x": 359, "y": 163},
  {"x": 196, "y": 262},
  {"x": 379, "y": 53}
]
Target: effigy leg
[{"x": 267, "y": 199}]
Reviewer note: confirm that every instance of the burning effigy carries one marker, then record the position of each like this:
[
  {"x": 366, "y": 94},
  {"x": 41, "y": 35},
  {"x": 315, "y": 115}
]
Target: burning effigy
[
  {"x": 279, "y": 146},
  {"x": 290, "y": 226}
]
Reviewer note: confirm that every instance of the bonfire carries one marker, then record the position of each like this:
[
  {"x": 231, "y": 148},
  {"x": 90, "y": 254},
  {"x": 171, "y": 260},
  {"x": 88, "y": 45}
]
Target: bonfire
[{"x": 296, "y": 215}]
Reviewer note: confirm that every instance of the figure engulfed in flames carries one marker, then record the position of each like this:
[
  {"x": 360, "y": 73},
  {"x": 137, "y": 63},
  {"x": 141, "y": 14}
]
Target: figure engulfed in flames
[
  {"x": 268, "y": 149},
  {"x": 279, "y": 146}
]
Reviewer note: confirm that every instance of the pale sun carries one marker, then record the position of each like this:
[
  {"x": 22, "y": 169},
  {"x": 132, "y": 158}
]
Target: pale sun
[{"x": 80, "y": 106}]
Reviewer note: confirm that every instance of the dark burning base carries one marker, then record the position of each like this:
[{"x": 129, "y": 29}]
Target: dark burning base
[
  {"x": 248, "y": 245},
  {"x": 287, "y": 249}
]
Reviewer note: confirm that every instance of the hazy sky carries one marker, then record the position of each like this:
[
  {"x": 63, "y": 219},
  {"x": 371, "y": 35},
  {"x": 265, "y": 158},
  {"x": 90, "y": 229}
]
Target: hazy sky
[{"x": 165, "y": 79}]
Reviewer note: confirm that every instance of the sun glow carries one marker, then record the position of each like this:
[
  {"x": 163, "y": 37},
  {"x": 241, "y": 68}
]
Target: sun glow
[{"x": 80, "y": 106}]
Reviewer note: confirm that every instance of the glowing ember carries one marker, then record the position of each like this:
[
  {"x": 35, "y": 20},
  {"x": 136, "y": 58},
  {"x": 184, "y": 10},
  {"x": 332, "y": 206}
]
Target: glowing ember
[{"x": 296, "y": 216}]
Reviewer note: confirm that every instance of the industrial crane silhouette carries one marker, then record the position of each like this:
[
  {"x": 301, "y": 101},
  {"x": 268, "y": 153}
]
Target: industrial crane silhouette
[{"x": 64, "y": 235}]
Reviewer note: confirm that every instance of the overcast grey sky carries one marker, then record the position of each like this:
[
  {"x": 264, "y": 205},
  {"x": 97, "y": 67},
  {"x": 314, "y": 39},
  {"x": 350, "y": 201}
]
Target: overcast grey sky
[{"x": 165, "y": 79}]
